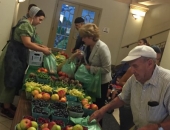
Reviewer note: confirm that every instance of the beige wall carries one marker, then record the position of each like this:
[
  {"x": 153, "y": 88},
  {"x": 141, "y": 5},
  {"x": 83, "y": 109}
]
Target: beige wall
[
  {"x": 23, "y": 6},
  {"x": 7, "y": 13},
  {"x": 130, "y": 35},
  {"x": 158, "y": 20},
  {"x": 115, "y": 15},
  {"x": 166, "y": 54}
]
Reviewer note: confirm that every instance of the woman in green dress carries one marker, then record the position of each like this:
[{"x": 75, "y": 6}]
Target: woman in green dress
[{"x": 13, "y": 60}]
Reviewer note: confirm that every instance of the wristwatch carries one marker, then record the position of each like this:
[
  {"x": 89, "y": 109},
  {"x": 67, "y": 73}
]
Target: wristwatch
[{"x": 160, "y": 127}]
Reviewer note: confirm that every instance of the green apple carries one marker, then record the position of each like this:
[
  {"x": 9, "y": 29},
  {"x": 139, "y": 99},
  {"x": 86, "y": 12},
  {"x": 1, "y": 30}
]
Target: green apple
[
  {"x": 77, "y": 127},
  {"x": 25, "y": 124},
  {"x": 56, "y": 127},
  {"x": 18, "y": 127},
  {"x": 89, "y": 98},
  {"x": 31, "y": 128},
  {"x": 34, "y": 124},
  {"x": 81, "y": 97}
]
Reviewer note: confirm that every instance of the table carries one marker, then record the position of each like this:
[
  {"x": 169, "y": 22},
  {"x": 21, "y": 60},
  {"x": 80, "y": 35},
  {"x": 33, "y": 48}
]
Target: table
[
  {"x": 23, "y": 108},
  {"x": 24, "y": 105}
]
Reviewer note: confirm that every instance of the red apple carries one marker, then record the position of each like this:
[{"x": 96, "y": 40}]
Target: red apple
[
  {"x": 45, "y": 125},
  {"x": 50, "y": 124},
  {"x": 29, "y": 117},
  {"x": 68, "y": 127},
  {"x": 84, "y": 101},
  {"x": 93, "y": 107},
  {"x": 87, "y": 106},
  {"x": 25, "y": 124},
  {"x": 61, "y": 93}
]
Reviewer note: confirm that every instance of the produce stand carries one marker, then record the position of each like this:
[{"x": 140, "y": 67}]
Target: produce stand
[{"x": 24, "y": 105}]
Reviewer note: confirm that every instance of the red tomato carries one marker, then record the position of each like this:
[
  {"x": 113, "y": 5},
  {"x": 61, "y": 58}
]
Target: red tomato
[{"x": 45, "y": 70}]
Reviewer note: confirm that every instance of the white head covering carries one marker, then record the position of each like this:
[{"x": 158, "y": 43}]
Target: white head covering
[
  {"x": 140, "y": 51},
  {"x": 33, "y": 11}
]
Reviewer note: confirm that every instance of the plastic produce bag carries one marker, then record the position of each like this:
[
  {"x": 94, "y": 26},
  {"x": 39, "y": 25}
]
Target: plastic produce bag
[
  {"x": 83, "y": 75},
  {"x": 93, "y": 125},
  {"x": 50, "y": 64},
  {"x": 69, "y": 68},
  {"x": 94, "y": 89},
  {"x": 91, "y": 82}
]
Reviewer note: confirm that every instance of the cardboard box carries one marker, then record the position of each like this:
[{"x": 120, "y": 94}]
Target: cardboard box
[{"x": 35, "y": 58}]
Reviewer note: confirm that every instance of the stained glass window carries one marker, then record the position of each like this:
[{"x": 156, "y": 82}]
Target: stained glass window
[
  {"x": 88, "y": 16},
  {"x": 64, "y": 27}
]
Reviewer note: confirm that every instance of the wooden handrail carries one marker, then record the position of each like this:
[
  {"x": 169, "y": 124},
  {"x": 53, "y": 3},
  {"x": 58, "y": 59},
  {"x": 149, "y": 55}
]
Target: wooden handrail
[
  {"x": 146, "y": 38},
  {"x": 160, "y": 43}
]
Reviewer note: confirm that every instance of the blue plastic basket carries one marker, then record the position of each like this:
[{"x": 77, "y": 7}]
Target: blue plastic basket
[
  {"x": 71, "y": 98},
  {"x": 37, "y": 115},
  {"x": 43, "y": 81},
  {"x": 64, "y": 119},
  {"x": 72, "y": 103},
  {"x": 88, "y": 112}
]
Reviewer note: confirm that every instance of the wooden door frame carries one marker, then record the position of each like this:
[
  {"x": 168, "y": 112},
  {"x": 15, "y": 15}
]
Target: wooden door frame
[
  {"x": 88, "y": 6},
  {"x": 55, "y": 21}
]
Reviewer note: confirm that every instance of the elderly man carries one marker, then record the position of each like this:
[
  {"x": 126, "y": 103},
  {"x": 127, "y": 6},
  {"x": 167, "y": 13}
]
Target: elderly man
[{"x": 147, "y": 91}]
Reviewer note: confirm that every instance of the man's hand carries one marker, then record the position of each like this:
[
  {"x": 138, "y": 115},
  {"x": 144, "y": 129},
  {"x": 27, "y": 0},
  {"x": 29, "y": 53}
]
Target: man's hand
[
  {"x": 149, "y": 127},
  {"x": 98, "y": 115}
]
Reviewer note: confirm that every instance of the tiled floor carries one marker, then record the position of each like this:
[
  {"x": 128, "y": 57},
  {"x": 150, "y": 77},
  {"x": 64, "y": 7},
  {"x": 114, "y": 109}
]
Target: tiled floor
[{"x": 5, "y": 123}]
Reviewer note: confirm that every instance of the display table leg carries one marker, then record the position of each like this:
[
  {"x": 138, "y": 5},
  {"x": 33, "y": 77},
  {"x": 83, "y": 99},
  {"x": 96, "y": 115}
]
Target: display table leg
[{"x": 23, "y": 108}]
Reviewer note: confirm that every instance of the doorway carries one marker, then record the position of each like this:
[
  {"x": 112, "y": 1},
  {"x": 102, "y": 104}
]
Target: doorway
[{"x": 63, "y": 34}]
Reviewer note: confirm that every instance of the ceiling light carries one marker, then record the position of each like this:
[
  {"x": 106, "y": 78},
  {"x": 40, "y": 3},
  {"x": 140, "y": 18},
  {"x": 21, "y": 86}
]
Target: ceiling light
[
  {"x": 136, "y": 16},
  {"x": 138, "y": 10},
  {"x": 19, "y": 1}
]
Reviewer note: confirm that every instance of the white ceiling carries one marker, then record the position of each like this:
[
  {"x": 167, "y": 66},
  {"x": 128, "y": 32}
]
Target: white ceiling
[{"x": 145, "y": 2}]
